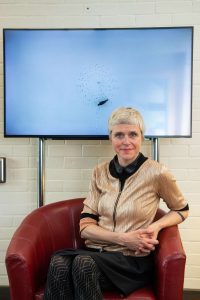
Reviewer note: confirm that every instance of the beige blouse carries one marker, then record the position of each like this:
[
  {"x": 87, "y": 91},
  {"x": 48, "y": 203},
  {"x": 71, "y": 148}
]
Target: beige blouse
[{"x": 134, "y": 207}]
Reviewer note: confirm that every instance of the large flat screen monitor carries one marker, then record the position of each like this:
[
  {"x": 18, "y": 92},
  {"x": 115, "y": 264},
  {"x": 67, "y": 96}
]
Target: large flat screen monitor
[{"x": 64, "y": 83}]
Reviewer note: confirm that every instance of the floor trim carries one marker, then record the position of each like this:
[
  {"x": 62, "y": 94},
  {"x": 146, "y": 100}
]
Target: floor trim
[
  {"x": 191, "y": 295},
  {"x": 4, "y": 293},
  {"x": 187, "y": 294}
]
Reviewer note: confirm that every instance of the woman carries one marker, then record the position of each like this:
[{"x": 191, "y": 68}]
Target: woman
[{"x": 117, "y": 220}]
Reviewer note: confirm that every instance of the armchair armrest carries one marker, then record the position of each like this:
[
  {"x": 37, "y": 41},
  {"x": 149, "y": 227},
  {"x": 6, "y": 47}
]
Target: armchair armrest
[
  {"x": 170, "y": 261},
  {"x": 43, "y": 231}
]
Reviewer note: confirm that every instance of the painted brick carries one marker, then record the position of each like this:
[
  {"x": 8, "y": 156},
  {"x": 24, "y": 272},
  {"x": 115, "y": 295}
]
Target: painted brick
[
  {"x": 17, "y": 209},
  {"x": 54, "y": 162},
  {"x": 101, "y": 9},
  {"x": 196, "y": 102},
  {"x": 4, "y": 245},
  {"x": 192, "y": 260},
  {"x": 194, "y": 209},
  {"x": 6, "y": 233},
  {"x": 180, "y": 174},
  {"x": 5, "y": 151},
  {"x": 194, "y": 174},
  {"x": 190, "y": 234},
  {"x": 191, "y": 283},
  {"x": 174, "y": 7},
  {"x": 65, "y": 150},
  {"x": 18, "y": 219},
  {"x": 76, "y": 185},
  {"x": 195, "y": 140},
  {"x": 194, "y": 270},
  {"x": 193, "y": 198},
  {"x": 191, "y": 222},
  {"x": 83, "y": 142},
  {"x": 68, "y": 164},
  {"x": 62, "y": 174},
  {"x": 103, "y": 159},
  {"x": 51, "y": 197},
  {"x": 17, "y": 162},
  {"x": 28, "y": 150},
  {"x": 192, "y": 247},
  {"x": 187, "y": 163},
  {"x": 17, "y": 197},
  {"x": 194, "y": 151},
  {"x": 97, "y": 151},
  {"x": 14, "y": 141},
  {"x": 30, "y": 9},
  {"x": 22, "y": 174},
  {"x": 86, "y": 174},
  {"x": 2, "y": 257},
  {"x": 2, "y": 268},
  {"x": 54, "y": 185},
  {"x": 153, "y": 20},
  {"x": 174, "y": 151},
  {"x": 196, "y": 116},
  {"x": 33, "y": 162},
  {"x": 119, "y": 21},
  {"x": 4, "y": 280},
  {"x": 15, "y": 186},
  {"x": 189, "y": 186},
  {"x": 196, "y": 126},
  {"x": 80, "y": 162},
  {"x": 188, "y": 19},
  {"x": 6, "y": 221},
  {"x": 142, "y": 7}
]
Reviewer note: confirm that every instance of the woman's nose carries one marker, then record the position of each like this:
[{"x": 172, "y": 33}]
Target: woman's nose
[{"x": 126, "y": 139}]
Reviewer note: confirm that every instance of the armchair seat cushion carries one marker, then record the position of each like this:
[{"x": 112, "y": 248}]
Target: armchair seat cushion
[{"x": 145, "y": 293}]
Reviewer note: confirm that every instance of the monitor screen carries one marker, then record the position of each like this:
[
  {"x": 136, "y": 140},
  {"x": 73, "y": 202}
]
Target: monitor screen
[{"x": 64, "y": 83}]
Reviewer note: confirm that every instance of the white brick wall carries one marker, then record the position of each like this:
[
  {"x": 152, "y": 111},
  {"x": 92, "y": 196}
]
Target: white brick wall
[{"x": 69, "y": 163}]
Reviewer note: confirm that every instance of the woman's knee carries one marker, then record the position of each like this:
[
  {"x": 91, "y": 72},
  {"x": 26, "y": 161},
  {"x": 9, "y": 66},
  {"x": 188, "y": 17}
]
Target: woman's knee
[
  {"x": 83, "y": 264},
  {"x": 60, "y": 264}
]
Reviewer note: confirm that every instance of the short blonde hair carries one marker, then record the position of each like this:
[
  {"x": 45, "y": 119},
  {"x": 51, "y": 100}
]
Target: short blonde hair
[{"x": 126, "y": 115}]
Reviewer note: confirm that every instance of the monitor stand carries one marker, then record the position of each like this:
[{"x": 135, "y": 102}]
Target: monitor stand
[
  {"x": 41, "y": 170},
  {"x": 41, "y": 166},
  {"x": 155, "y": 149}
]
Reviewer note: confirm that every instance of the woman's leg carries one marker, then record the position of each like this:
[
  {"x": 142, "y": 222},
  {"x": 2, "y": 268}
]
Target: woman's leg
[
  {"x": 59, "y": 279},
  {"x": 86, "y": 274}
]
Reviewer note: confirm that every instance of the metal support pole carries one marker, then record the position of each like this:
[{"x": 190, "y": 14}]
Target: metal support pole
[
  {"x": 40, "y": 201},
  {"x": 155, "y": 149}
]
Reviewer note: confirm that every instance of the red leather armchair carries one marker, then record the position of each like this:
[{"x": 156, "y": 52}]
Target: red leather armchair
[{"x": 56, "y": 226}]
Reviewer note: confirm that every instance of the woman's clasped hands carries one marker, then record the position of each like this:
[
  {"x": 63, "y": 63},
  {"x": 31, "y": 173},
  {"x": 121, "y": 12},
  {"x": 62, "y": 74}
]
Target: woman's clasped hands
[{"x": 143, "y": 241}]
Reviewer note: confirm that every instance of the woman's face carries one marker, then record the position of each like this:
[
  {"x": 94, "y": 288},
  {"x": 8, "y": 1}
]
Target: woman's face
[{"x": 126, "y": 140}]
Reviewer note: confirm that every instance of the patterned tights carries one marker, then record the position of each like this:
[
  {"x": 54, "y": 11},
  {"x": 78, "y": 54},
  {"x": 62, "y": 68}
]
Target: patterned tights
[{"x": 74, "y": 278}]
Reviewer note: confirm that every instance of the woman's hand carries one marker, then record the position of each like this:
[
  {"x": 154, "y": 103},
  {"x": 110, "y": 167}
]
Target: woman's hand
[{"x": 141, "y": 240}]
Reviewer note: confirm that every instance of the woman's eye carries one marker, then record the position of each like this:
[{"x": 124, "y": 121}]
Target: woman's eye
[
  {"x": 119, "y": 135},
  {"x": 132, "y": 134}
]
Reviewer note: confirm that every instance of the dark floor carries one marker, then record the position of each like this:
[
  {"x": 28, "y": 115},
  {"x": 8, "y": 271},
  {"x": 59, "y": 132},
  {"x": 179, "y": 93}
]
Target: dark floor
[
  {"x": 191, "y": 295},
  {"x": 188, "y": 295}
]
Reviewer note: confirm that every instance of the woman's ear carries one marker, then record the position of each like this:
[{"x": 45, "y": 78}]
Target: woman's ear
[
  {"x": 142, "y": 136},
  {"x": 110, "y": 136}
]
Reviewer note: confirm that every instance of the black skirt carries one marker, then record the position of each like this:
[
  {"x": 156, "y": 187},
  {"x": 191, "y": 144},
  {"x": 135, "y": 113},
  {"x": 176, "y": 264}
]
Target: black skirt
[{"x": 126, "y": 273}]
